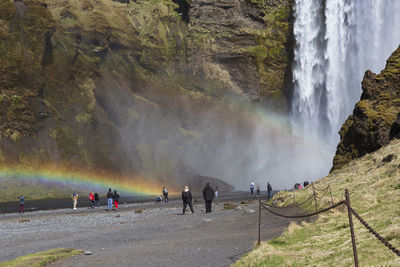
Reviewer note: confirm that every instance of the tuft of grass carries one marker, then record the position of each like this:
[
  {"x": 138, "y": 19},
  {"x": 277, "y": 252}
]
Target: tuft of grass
[
  {"x": 229, "y": 206},
  {"x": 42, "y": 258},
  {"x": 326, "y": 241}
]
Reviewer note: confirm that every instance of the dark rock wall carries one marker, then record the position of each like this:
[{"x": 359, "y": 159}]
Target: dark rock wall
[
  {"x": 75, "y": 78},
  {"x": 373, "y": 122}
]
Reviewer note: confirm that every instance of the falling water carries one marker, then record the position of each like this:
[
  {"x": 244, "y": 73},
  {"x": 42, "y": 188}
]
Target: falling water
[{"x": 336, "y": 42}]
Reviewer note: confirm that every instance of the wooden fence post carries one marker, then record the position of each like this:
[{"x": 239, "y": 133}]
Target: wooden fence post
[
  {"x": 353, "y": 238},
  {"x": 259, "y": 220},
  {"x": 330, "y": 191},
  {"x": 315, "y": 197}
]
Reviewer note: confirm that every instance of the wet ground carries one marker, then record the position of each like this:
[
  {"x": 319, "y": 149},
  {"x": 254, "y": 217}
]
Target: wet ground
[{"x": 159, "y": 236}]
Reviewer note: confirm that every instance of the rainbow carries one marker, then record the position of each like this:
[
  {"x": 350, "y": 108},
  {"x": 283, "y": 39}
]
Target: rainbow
[
  {"x": 62, "y": 177},
  {"x": 279, "y": 124}
]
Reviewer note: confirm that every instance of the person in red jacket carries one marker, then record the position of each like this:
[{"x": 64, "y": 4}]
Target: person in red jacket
[{"x": 91, "y": 199}]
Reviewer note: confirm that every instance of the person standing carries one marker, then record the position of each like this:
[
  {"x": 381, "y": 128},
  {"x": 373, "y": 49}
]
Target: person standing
[
  {"x": 216, "y": 192},
  {"x": 258, "y": 190},
  {"x": 269, "y": 188},
  {"x": 252, "y": 189},
  {"x": 109, "y": 199},
  {"x": 75, "y": 197},
  {"x": 187, "y": 199},
  {"x": 97, "y": 199},
  {"x": 91, "y": 199},
  {"x": 116, "y": 199},
  {"x": 21, "y": 204},
  {"x": 165, "y": 194},
  {"x": 208, "y": 195}
]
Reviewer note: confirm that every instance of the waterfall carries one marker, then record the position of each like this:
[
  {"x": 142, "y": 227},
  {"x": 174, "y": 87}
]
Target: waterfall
[{"x": 336, "y": 42}]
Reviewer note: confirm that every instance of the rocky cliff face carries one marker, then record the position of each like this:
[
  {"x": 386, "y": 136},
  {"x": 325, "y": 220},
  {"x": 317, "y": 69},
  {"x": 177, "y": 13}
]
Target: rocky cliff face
[
  {"x": 109, "y": 84},
  {"x": 373, "y": 122}
]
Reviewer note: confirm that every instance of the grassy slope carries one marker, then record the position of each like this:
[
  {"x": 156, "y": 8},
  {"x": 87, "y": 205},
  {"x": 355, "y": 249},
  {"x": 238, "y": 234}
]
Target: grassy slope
[
  {"x": 374, "y": 193},
  {"x": 41, "y": 258}
]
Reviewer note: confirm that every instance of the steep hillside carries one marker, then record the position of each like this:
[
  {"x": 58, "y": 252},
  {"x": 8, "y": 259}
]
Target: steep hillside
[
  {"x": 109, "y": 84},
  {"x": 374, "y": 185},
  {"x": 372, "y": 124}
]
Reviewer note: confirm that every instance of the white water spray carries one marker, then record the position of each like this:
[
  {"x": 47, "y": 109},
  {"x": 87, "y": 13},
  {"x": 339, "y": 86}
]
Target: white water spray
[{"x": 336, "y": 42}]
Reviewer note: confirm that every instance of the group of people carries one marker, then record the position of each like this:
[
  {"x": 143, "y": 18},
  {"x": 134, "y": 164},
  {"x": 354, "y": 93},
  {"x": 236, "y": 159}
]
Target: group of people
[
  {"x": 208, "y": 195},
  {"x": 165, "y": 195},
  {"x": 258, "y": 191},
  {"x": 298, "y": 185},
  {"x": 94, "y": 199}
]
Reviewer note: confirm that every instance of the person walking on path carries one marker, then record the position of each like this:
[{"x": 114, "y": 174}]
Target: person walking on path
[
  {"x": 252, "y": 189},
  {"x": 165, "y": 194},
  {"x": 91, "y": 200},
  {"x": 269, "y": 187},
  {"x": 187, "y": 199},
  {"x": 208, "y": 195},
  {"x": 216, "y": 192},
  {"x": 96, "y": 199},
  {"x": 116, "y": 199},
  {"x": 159, "y": 199},
  {"x": 109, "y": 199},
  {"x": 75, "y": 197},
  {"x": 21, "y": 204}
]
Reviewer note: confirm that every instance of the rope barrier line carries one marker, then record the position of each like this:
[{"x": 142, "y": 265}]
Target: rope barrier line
[
  {"x": 372, "y": 231},
  {"x": 320, "y": 189},
  {"x": 316, "y": 195},
  {"x": 306, "y": 215},
  {"x": 294, "y": 206}
]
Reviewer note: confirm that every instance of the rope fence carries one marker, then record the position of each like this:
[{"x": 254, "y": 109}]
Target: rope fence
[
  {"x": 305, "y": 215},
  {"x": 317, "y": 189},
  {"x": 372, "y": 231},
  {"x": 350, "y": 210},
  {"x": 294, "y": 205},
  {"x": 326, "y": 192}
]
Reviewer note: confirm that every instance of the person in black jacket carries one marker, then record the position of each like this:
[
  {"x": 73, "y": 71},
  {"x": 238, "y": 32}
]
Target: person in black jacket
[
  {"x": 187, "y": 199},
  {"x": 96, "y": 199},
  {"x": 116, "y": 199},
  {"x": 269, "y": 188},
  {"x": 208, "y": 195}
]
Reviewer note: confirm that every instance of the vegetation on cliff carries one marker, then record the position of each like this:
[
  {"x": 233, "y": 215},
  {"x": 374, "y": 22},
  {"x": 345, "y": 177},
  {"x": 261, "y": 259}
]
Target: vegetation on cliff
[
  {"x": 369, "y": 127},
  {"x": 107, "y": 84}
]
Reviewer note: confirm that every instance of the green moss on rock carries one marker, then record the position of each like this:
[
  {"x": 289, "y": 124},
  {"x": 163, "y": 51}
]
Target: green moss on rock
[{"x": 369, "y": 127}]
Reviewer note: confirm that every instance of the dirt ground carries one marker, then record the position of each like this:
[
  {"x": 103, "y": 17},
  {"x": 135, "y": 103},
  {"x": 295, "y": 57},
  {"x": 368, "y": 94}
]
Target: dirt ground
[{"x": 159, "y": 236}]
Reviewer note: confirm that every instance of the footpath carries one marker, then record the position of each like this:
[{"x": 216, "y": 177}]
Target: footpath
[{"x": 133, "y": 236}]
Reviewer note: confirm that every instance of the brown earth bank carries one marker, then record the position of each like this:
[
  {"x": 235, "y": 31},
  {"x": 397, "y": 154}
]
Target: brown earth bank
[
  {"x": 373, "y": 122},
  {"x": 155, "y": 236}
]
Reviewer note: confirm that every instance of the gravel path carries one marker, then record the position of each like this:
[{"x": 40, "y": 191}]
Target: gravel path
[{"x": 159, "y": 236}]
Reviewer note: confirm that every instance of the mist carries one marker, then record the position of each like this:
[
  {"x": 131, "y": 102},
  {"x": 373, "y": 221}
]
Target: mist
[{"x": 174, "y": 137}]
